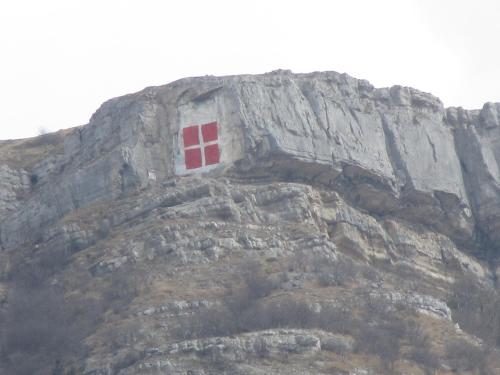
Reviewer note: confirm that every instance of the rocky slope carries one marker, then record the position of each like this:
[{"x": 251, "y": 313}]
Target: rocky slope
[{"x": 346, "y": 196}]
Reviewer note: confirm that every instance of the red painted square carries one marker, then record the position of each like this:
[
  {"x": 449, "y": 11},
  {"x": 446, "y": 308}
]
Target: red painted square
[
  {"x": 209, "y": 132},
  {"x": 212, "y": 154},
  {"x": 190, "y": 136},
  {"x": 193, "y": 158}
]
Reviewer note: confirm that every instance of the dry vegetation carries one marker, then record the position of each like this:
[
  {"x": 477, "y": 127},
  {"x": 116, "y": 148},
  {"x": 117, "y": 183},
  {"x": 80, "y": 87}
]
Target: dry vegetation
[
  {"x": 254, "y": 299},
  {"x": 378, "y": 328},
  {"x": 26, "y": 153},
  {"x": 43, "y": 330},
  {"x": 476, "y": 309}
]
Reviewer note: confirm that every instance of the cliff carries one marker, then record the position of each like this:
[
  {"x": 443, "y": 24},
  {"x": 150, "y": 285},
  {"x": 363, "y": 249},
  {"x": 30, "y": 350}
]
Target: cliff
[{"x": 178, "y": 184}]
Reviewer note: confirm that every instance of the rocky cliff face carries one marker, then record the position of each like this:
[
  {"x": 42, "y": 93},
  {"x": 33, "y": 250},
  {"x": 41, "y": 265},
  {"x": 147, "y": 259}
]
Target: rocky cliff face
[
  {"x": 391, "y": 151},
  {"x": 178, "y": 183}
]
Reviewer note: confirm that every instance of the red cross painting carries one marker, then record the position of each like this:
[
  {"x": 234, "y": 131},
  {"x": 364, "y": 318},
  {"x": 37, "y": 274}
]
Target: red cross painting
[{"x": 201, "y": 146}]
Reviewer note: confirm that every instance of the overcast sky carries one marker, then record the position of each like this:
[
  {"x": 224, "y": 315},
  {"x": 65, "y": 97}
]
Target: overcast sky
[{"x": 60, "y": 59}]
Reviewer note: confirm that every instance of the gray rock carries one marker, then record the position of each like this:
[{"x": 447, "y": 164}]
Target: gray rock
[
  {"x": 275, "y": 341},
  {"x": 423, "y": 303},
  {"x": 477, "y": 136},
  {"x": 386, "y": 150},
  {"x": 316, "y": 166},
  {"x": 14, "y": 185}
]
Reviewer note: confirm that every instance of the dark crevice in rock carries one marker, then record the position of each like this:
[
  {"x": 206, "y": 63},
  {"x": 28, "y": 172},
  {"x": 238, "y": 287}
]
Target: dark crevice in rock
[
  {"x": 433, "y": 146},
  {"x": 402, "y": 176}
]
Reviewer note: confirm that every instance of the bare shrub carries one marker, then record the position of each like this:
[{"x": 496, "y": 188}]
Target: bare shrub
[
  {"x": 287, "y": 313},
  {"x": 209, "y": 322},
  {"x": 476, "y": 308},
  {"x": 257, "y": 282},
  {"x": 383, "y": 332},
  {"x": 253, "y": 284},
  {"x": 336, "y": 346},
  {"x": 338, "y": 273},
  {"x": 464, "y": 356},
  {"x": 123, "y": 286},
  {"x": 39, "y": 268},
  {"x": 424, "y": 356},
  {"x": 129, "y": 358},
  {"x": 224, "y": 321},
  {"x": 41, "y": 330},
  {"x": 370, "y": 273},
  {"x": 420, "y": 351},
  {"x": 53, "y": 261},
  {"x": 381, "y": 341},
  {"x": 240, "y": 309},
  {"x": 219, "y": 364},
  {"x": 261, "y": 348},
  {"x": 376, "y": 308},
  {"x": 28, "y": 275},
  {"x": 336, "y": 319}
]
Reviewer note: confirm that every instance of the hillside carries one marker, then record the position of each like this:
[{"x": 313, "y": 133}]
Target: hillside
[{"x": 270, "y": 224}]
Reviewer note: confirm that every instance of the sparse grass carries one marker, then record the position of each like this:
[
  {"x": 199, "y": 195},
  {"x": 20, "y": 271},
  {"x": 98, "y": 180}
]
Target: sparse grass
[{"x": 26, "y": 153}]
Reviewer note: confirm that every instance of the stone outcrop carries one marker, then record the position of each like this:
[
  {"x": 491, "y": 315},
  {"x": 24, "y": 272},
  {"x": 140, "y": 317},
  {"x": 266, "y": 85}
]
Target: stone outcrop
[
  {"x": 264, "y": 344},
  {"x": 13, "y": 185},
  {"x": 391, "y": 151},
  {"x": 477, "y": 138}
]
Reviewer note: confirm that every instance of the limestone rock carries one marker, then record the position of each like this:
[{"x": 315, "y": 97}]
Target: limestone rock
[
  {"x": 477, "y": 137},
  {"x": 389, "y": 151},
  {"x": 426, "y": 304},
  {"x": 13, "y": 185},
  {"x": 302, "y": 173}
]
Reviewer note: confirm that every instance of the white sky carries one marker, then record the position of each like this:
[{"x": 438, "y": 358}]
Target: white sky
[{"x": 60, "y": 59}]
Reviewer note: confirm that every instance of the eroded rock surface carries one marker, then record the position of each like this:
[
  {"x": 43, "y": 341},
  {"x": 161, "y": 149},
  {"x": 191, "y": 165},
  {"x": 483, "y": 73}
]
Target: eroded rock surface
[
  {"x": 313, "y": 170},
  {"x": 390, "y": 151}
]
